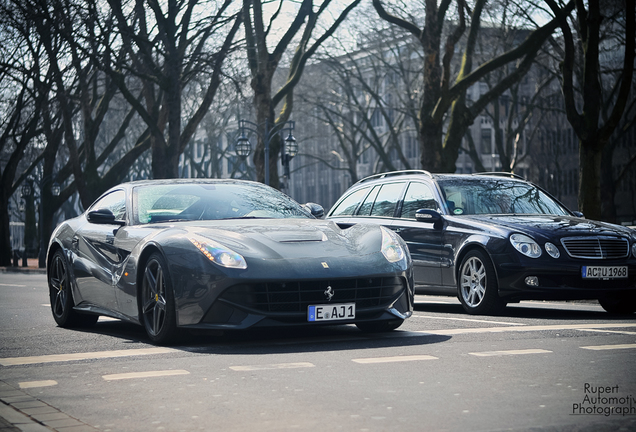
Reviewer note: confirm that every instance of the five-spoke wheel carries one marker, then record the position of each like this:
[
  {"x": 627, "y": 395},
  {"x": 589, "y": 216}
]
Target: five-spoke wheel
[
  {"x": 157, "y": 301},
  {"x": 61, "y": 297}
]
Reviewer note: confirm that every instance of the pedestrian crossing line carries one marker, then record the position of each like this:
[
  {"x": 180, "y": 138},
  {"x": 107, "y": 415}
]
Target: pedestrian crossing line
[
  {"x": 147, "y": 374},
  {"x": 394, "y": 359},
  {"x": 272, "y": 366},
  {"x": 450, "y": 332},
  {"x": 19, "y": 361},
  {"x": 608, "y": 331},
  {"x": 609, "y": 347},
  {"x": 466, "y": 319},
  {"x": 36, "y": 384},
  {"x": 509, "y": 352}
]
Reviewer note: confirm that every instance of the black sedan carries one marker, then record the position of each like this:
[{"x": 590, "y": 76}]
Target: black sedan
[
  {"x": 496, "y": 239},
  {"x": 222, "y": 254}
]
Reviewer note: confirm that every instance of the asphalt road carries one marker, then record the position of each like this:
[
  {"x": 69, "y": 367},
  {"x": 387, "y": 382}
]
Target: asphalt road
[{"x": 539, "y": 366}]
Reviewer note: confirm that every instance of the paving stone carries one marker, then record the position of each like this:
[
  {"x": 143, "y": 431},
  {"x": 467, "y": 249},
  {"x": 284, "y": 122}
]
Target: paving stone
[
  {"x": 67, "y": 422},
  {"x": 28, "y": 404},
  {"x": 42, "y": 410},
  {"x": 49, "y": 416}
]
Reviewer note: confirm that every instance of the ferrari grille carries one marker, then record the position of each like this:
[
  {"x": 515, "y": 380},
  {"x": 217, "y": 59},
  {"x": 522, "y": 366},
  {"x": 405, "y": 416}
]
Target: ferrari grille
[
  {"x": 296, "y": 296},
  {"x": 596, "y": 247}
]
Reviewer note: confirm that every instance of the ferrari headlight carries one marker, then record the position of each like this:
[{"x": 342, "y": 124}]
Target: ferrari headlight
[
  {"x": 526, "y": 245},
  {"x": 391, "y": 248},
  {"x": 219, "y": 254}
]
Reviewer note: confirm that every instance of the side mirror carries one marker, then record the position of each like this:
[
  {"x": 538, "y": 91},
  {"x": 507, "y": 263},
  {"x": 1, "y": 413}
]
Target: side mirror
[
  {"x": 578, "y": 214},
  {"x": 103, "y": 216},
  {"x": 428, "y": 216},
  {"x": 316, "y": 210}
]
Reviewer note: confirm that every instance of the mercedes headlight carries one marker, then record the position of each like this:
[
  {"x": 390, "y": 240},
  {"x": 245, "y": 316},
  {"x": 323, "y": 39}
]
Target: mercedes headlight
[
  {"x": 391, "y": 247},
  {"x": 218, "y": 254},
  {"x": 552, "y": 250},
  {"x": 526, "y": 245}
]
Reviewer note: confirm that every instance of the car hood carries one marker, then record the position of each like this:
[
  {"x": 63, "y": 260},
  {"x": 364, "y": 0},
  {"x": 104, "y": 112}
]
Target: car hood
[
  {"x": 289, "y": 238},
  {"x": 552, "y": 225}
]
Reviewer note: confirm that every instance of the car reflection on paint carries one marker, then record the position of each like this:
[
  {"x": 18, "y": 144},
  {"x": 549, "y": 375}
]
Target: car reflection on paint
[
  {"x": 222, "y": 254},
  {"x": 495, "y": 239}
]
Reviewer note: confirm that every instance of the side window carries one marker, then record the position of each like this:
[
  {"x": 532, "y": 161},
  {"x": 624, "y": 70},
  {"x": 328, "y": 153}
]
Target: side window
[
  {"x": 387, "y": 199},
  {"x": 367, "y": 205},
  {"x": 418, "y": 196},
  {"x": 348, "y": 205},
  {"x": 115, "y": 202},
  {"x": 382, "y": 200}
]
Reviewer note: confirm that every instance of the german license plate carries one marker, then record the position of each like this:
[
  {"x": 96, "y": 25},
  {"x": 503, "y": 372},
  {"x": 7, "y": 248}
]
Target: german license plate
[
  {"x": 331, "y": 312},
  {"x": 604, "y": 272}
]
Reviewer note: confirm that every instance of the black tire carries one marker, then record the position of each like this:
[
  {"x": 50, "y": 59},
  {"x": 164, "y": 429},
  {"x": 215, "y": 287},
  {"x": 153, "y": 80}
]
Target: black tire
[
  {"x": 157, "y": 309},
  {"x": 379, "y": 326},
  {"x": 477, "y": 285},
  {"x": 61, "y": 297},
  {"x": 619, "y": 304}
]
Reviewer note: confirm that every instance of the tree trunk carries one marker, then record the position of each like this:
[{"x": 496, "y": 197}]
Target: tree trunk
[
  {"x": 590, "y": 156},
  {"x": 5, "y": 230}
]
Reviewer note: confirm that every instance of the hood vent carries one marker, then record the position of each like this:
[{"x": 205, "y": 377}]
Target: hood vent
[{"x": 297, "y": 237}]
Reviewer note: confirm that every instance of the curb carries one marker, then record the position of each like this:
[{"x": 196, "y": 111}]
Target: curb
[{"x": 27, "y": 270}]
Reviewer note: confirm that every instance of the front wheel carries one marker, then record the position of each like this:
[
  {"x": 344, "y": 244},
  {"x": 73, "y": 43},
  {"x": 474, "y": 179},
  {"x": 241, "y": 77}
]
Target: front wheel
[
  {"x": 477, "y": 285},
  {"x": 157, "y": 302},
  {"x": 619, "y": 304},
  {"x": 61, "y": 298},
  {"x": 379, "y": 326}
]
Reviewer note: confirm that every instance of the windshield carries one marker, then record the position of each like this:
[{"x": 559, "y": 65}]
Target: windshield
[
  {"x": 201, "y": 201},
  {"x": 488, "y": 196}
]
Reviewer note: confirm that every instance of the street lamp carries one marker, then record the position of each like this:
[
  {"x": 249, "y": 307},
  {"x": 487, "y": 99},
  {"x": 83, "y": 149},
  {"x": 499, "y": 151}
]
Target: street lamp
[
  {"x": 243, "y": 147},
  {"x": 26, "y": 205}
]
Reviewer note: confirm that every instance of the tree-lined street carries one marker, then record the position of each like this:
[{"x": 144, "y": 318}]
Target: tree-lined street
[{"x": 538, "y": 366}]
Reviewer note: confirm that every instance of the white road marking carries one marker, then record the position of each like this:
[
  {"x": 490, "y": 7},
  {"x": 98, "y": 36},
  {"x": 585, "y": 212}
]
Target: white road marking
[
  {"x": 272, "y": 366},
  {"x": 467, "y": 319},
  {"x": 609, "y": 347},
  {"x": 147, "y": 374},
  {"x": 394, "y": 359},
  {"x": 14, "y": 361},
  {"x": 105, "y": 318},
  {"x": 12, "y": 285},
  {"x": 524, "y": 328},
  {"x": 35, "y": 384},
  {"x": 509, "y": 352},
  {"x": 608, "y": 331}
]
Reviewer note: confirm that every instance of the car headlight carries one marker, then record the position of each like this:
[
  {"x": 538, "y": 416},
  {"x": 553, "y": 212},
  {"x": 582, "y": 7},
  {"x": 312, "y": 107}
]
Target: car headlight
[
  {"x": 526, "y": 245},
  {"x": 391, "y": 248},
  {"x": 552, "y": 250},
  {"x": 219, "y": 254},
  {"x": 634, "y": 248}
]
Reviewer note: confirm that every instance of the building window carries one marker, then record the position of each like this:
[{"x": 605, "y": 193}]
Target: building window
[{"x": 486, "y": 141}]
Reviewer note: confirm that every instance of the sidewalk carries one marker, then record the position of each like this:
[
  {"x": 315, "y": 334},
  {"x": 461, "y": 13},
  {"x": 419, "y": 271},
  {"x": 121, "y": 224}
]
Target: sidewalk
[
  {"x": 20, "y": 412},
  {"x": 32, "y": 267}
]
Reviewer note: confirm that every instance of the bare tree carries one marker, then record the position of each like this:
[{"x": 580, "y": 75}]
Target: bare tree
[
  {"x": 371, "y": 105},
  {"x": 162, "y": 47},
  {"x": 263, "y": 65},
  {"x": 596, "y": 101},
  {"x": 439, "y": 96}
]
